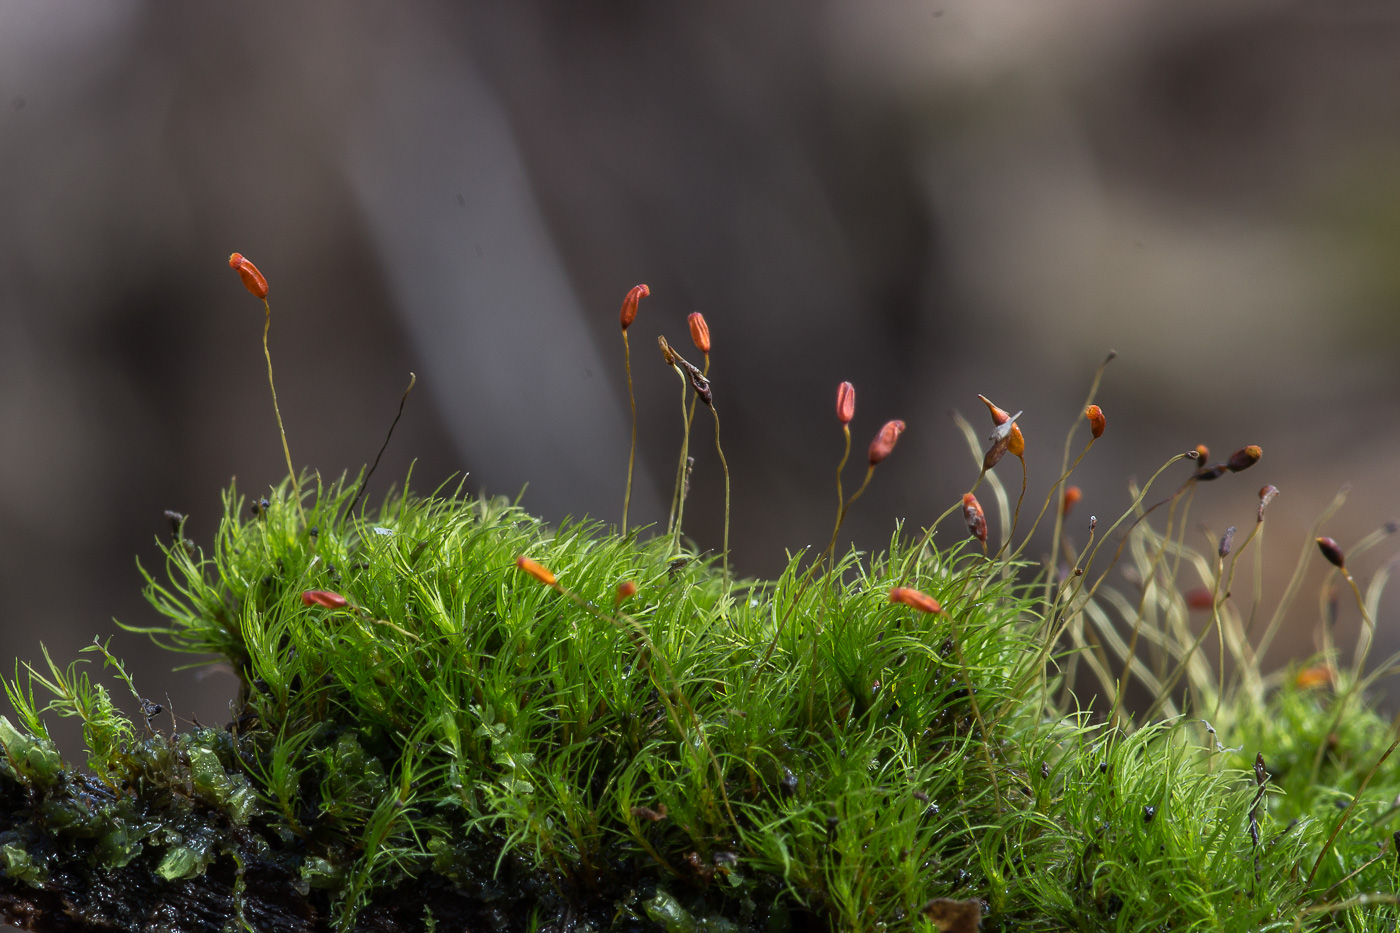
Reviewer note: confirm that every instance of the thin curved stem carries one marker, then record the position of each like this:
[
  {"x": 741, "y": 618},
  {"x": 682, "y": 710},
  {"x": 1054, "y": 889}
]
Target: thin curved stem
[
  {"x": 631, "y": 454},
  {"x": 286, "y": 452},
  {"x": 679, "y": 497},
  {"x": 840, "y": 496},
  {"x": 724, "y": 464}
]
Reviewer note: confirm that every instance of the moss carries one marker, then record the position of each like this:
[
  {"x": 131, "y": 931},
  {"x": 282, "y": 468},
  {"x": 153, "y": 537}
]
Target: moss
[{"x": 706, "y": 756}]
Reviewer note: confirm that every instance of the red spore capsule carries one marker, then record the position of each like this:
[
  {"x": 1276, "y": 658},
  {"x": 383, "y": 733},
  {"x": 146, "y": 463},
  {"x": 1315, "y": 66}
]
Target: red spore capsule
[
  {"x": 252, "y": 279},
  {"x": 845, "y": 402},
  {"x": 884, "y": 441},
  {"x": 629, "y": 304},
  {"x": 1200, "y": 599},
  {"x": 325, "y": 599}
]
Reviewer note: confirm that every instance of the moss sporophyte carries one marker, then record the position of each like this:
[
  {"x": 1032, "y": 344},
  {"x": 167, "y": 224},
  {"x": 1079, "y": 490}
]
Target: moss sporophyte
[{"x": 454, "y": 716}]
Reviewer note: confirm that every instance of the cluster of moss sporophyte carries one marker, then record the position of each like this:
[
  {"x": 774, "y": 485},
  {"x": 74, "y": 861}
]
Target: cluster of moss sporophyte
[{"x": 574, "y": 726}]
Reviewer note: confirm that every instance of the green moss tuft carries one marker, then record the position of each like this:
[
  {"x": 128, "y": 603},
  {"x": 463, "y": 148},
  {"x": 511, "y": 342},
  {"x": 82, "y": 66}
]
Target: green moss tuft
[{"x": 544, "y": 755}]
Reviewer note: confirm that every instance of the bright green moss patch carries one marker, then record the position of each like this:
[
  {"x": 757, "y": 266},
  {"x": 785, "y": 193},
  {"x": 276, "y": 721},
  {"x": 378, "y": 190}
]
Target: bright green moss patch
[{"x": 551, "y": 758}]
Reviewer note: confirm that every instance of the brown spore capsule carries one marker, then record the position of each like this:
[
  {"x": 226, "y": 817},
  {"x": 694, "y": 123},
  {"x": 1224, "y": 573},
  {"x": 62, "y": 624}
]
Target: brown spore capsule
[
  {"x": 1266, "y": 495},
  {"x": 975, "y": 518},
  {"x": 1244, "y": 458},
  {"x": 1332, "y": 551},
  {"x": 1206, "y": 474}
]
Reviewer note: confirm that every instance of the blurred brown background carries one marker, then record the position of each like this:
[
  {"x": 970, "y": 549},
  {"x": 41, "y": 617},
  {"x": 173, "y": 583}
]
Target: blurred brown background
[{"x": 930, "y": 198}]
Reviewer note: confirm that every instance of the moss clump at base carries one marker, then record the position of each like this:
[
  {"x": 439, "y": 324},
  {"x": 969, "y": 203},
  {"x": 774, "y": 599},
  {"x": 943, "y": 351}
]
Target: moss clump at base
[{"x": 429, "y": 737}]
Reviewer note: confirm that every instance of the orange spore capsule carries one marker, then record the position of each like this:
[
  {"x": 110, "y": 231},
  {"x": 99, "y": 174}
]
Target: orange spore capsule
[
  {"x": 625, "y": 590},
  {"x": 915, "y": 600},
  {"x": 1072, "y": 496},
  {"x": 699, "y": 332},
  {"x": 536, "y": 570},
  {"x": 1319, "y": 675},
  {"x": 252, "y": 279},
  {"x": 1097, "y": 422},
  {"x": 1015, "y": 441}
]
